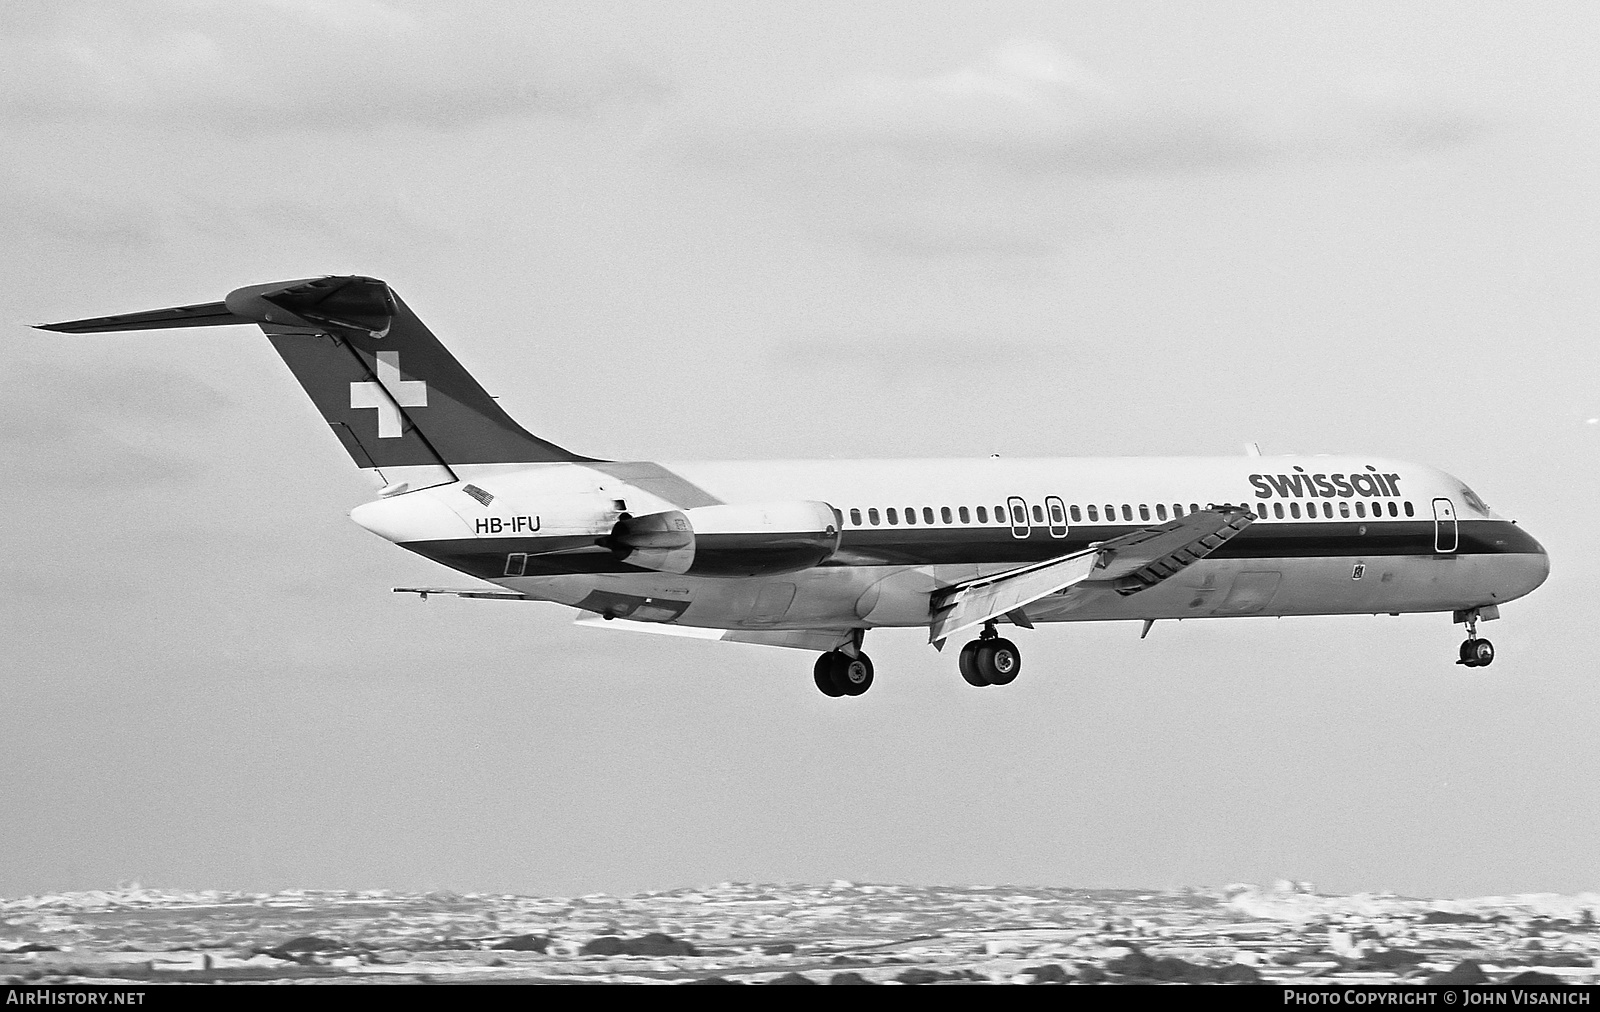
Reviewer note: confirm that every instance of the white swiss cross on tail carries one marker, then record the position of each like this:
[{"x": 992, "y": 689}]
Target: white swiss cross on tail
[{"x": 389, "y": 394}]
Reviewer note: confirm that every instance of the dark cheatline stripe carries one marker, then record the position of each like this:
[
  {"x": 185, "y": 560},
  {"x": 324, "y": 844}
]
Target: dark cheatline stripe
[{"x": 924, "y": 546}]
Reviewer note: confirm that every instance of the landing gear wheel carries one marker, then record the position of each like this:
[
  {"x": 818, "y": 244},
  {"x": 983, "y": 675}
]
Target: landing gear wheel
[
  {"x": 822, "y": 674},
  {"x": 998, "y": 661},
  {"x": 1476, "y": 653},
  {"x": 851, "y": 675},
  {"x": 969, "y": 666},
  {"x": 838, "y": 674}
]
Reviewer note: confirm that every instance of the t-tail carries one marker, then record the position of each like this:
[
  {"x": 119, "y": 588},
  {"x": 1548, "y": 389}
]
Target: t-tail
[{"x": 397, "y": 399}]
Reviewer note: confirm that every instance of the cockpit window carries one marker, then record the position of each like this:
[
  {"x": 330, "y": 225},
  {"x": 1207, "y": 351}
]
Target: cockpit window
[{"x": 1471, "y": 499}]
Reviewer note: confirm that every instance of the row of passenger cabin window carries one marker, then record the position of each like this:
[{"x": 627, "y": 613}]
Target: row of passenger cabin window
[
  {"x": 1020, "y": 516},
  {"x": 1345, "y": 507}
]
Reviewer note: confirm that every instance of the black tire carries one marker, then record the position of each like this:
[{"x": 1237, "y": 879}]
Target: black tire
[
  {"x": 1482, "y": 653},
  {"x": 999, "y": 661},
  {"x": 852, "y": 675},
  {"x": 822, "y": 674},
  {"x": 968, "y": 664}
]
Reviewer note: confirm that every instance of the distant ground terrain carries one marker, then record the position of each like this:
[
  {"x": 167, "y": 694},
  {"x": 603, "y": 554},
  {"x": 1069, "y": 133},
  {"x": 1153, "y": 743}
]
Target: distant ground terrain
[{"x": 838, "y": 933}]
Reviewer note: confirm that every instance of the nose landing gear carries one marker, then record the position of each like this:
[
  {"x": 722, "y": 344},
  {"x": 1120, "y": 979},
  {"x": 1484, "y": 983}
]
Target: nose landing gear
[
  {"x": 1475, "y": 652},
  {"x": 990, "y": 660}
]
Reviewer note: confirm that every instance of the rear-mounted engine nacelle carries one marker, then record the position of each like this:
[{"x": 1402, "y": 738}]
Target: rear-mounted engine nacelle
[{"x": 752, "y": 539}]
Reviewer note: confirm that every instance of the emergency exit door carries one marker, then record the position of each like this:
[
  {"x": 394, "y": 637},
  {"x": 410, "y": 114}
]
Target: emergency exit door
[{"x": 1021, "y": 527}]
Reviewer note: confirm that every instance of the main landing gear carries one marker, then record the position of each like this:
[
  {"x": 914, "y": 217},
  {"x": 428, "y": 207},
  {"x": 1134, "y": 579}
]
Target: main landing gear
[
  {"x": 990, "y": 660},
  {"x": 839, "y": 674},
  {"x": 1475, "y": 652}
]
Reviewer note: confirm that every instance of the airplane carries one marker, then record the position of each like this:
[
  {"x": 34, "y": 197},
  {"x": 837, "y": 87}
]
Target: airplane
[{"x": 811, "y": 554}]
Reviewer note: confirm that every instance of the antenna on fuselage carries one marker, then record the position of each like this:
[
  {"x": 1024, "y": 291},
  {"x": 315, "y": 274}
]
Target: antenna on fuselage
[{"x": 1252, "y": 449}]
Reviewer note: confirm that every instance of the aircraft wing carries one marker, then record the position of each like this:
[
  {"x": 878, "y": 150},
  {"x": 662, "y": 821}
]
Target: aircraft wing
[
  {"x": 821, "y": 640},
  {"x": 1127, "y": 564},
  {"x": 977, "y": 601},
  {"x": 1145, "y": 558}
]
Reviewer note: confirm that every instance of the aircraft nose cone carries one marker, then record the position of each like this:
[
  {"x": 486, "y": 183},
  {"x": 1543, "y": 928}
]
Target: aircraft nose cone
[
  {"x": 1539, "y": 566},
  {"x": 1526, "y": 570}
]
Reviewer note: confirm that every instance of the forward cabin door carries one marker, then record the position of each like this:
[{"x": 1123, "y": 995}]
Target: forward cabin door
[{"x": 1445, "y": 533}]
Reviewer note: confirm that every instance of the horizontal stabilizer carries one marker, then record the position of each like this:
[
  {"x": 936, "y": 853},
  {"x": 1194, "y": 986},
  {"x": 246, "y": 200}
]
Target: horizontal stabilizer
[
  {"x": 206, "y": 314},
  {"x": 488, "y": 595}
]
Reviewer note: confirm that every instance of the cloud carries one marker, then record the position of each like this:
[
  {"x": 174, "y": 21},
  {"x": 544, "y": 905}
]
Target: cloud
[
  {"x": 953, "y": 241},
  {"x": 249, "y": 65},
  {"x": 887, "y": 361},
  {"x": 1028, "y": 107},
  {"x": 81, "y": 431}
]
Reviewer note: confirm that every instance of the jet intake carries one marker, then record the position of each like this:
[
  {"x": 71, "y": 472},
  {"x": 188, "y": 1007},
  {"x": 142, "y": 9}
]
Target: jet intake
[{"x": 750, "y": 539}]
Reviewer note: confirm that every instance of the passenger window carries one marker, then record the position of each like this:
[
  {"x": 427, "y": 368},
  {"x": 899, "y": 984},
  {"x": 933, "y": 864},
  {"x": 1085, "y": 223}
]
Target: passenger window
[
  {"x": 1277, "y": 510},
  {"x": 1111, "y": 513},
  {"x": 1038, "y": 515},
  {"x": 872, "y": 517},
  {"x": 966, "y": 517},
  {"x": 1144, "y": 512},
  {"x": 927, "y": 514},
  {"x": 1377, "y": 509},
  {"x": 983, "y": 514},
  {"x": 1344, "y": 510},
  {"x": 944, "y": 514},
  {"x": 894, "y": 517},
  {"x": 1294, "y": 510},
  {"x": 1019, "y": 517},
  {"x": 1194, "y": 507},
  {"x": 1394, "y": 510},
  {"x": 1327, "y": 510},
  {"x": 1127, "y": 512},
  {"x": 1056, "y": 516},
  {"x": 911, "y": 514},
  {"x": 1409, "y": 511},
  {"x": 1161, "y": 511},
  {"x": 1361, "y": 509},
  {"x": 999, "y": 514},
  {"x": 1094, "y": 515},
  {"x": 1077, "y": 515},
  {"x": 1177, "y": 509},
  {"x": 855, "y": 518}
]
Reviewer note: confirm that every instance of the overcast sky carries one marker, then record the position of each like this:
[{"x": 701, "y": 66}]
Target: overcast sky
[{"x": 738, "y": 231}]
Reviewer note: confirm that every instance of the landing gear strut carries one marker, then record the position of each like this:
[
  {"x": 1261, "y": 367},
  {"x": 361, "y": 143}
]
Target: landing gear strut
[
  {"x": 1475, "y": 652},
  {"x": 839, "y": 674},
  {"x": 989, "y": 659}
]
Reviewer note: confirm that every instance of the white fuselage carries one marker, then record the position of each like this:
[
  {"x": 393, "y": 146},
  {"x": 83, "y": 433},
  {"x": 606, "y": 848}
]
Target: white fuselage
[{"x": 1334, "y": 535}]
